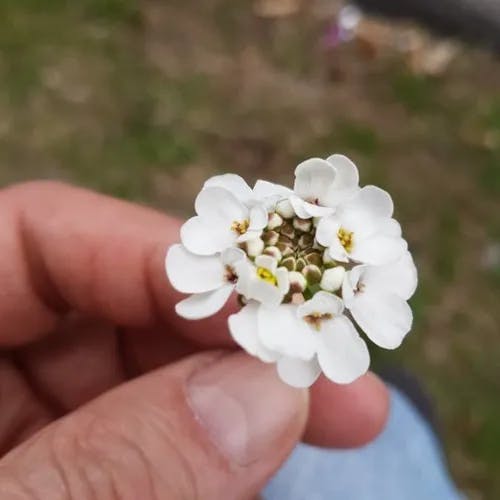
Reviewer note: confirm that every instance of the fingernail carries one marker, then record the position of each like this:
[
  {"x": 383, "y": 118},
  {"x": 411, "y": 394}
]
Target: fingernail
[{"x": 244, "y": 406}]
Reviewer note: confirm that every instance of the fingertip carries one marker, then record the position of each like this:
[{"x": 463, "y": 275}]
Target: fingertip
[{"x": 347, "y": 416}]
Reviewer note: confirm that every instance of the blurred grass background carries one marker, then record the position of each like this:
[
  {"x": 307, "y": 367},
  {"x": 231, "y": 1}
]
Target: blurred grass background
[{"x": 144, "y": 100}]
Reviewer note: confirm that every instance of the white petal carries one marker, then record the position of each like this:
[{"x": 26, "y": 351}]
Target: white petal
[
  {"x": 332, "y": 279},
  {"x": 283, "y": 280},
  {"x": 337, "y": 251},
  {"x": 346, "y": 180},
  {"x": 399, "y": 278},
  {"x": 267, "y": 262},
  {"x": 327, "y": 230},
  {"x": 243, "y": 328},
  {"x": 249, "y": 235},
  {"x": 373, "y": 200},
  {"x": 342, "y": 353},
  {"x": 321, "y": 303},
  {"x": 297, "y": 372},
  {"x": 190, "y": 273},
  {"x": 204, "y": 238},
  {"x": 385, "y": 318},
  {"x": 306, "y": 210},
  {"x": 231, "y": 256},
  {"x": 233, "y": 183},
  {"x": 390, "y": 227},
  {"x": 266, "y": 293},
  {"x": 203, "y": 305},
  {"x": 258, "y": 218},
  {"x": 280, "y": 330},
  {"x": 313, "y": 179},
  {"x": 270, "y": 193},
  {"x": 350, "y": 284},
  {"x": 378, "y": 250},
  {"x": 219, "y": 206}
]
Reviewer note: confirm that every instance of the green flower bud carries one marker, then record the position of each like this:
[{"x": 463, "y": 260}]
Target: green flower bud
[
  {"x": 314, "y": 258},
  {"x": 301, "y": 263},
  {"x": 289, "y": 263},
  {"x": 312, "y": 274}
]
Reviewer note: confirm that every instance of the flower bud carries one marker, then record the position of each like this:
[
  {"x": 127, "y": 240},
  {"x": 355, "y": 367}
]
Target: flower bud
[
  {"x": 254, "y": 247},
  {"x": 306, "y": 240},
  {"x": 298, "y": 282},
  {"x": 274, "y": 221},
  {"x": 303, "y": 225},
  {"x": 289, "y": 263},
  {"x": 270, "y": 237},
  {"x": 287, "y": 230},
  {"x": 301, "y": 263},
  {"x": 332, "y": 279},
  {"x": 312, "y": 274},
  {"x": 273, "y": 252},
  {"x": 285, "y": 209},
  {"x": 327, "y": 259},
  {"x": 314, "y": 258}
]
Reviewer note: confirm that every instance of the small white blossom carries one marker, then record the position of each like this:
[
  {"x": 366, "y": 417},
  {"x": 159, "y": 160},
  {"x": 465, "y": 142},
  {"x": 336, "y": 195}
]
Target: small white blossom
[
  {"x": 211, "y": 279},
  {"x": 263, "y": 281},
  {"x": 321, "y": 185},
  {"x": 227, "y": 213},
  {"x": 363, "y": 230},
  {"x": 305, "y": 262},
  {"x": 308, "y": 338},
  {"x": 376, "y": 297}
]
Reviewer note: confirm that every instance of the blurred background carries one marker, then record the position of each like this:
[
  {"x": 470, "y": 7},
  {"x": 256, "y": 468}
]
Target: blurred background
[{"x": 146, "y": 99}]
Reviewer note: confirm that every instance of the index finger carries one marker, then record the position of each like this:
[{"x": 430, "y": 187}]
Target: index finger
[{"x": 65, "y": 248}]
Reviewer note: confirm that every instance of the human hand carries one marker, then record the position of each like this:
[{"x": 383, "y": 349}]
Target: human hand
[{"x": 106, "y": 394}]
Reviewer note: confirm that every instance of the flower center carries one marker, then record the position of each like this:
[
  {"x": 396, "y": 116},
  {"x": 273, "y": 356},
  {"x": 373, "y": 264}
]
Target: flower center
[
  {"x": 266, "y": 275},
  {"x": 346, "y": 239},
  {"x": 240, "y": 227},
  {"x": 291, "y": 242},
  {"x": 315, "y": 319}
]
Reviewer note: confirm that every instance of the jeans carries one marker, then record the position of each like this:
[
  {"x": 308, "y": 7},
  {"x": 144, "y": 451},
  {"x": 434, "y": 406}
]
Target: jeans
[{"x": 405, "y": 462}]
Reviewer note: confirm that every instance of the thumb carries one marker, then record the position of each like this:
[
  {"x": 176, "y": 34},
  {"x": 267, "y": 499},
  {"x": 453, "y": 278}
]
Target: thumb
[{"x": 212, "y": 426}]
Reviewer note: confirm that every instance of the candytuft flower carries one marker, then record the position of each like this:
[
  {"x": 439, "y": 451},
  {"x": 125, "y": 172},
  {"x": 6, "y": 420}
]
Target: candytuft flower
[{"x": 313, "y": 267}]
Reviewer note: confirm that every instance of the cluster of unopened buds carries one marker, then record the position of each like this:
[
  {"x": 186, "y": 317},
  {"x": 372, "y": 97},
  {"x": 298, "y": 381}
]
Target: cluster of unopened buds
[{"x": 307, "y": 265}]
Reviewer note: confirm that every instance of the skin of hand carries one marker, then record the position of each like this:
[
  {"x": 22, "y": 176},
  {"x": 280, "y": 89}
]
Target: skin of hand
[{"x": 106, "y": 394}]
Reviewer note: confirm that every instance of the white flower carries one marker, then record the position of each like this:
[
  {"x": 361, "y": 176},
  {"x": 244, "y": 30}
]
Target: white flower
[
  {"x": 362, "y": 230},
  {"x": 376, "y": 297},
  {"x": 321, "y": 185},
  {"x": 211, "y": 279},
  {"x": 263, "y": 281},
  {"x": 298, "y": 260},
  {"x": 227, "y": 213},
  {"x": 304, "y": 339}
]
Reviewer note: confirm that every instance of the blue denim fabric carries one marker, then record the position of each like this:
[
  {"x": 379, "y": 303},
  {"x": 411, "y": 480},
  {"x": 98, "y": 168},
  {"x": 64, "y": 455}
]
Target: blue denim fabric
[{"x": 404, "y": 463}]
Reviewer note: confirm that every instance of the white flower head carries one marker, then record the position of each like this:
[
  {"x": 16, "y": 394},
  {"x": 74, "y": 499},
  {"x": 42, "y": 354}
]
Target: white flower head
[{"x": 311, "y": 267}]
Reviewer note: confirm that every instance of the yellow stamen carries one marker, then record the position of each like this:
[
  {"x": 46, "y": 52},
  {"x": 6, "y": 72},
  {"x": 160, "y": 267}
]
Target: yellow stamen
[
  {"x": 315, "y": 319},
  {"x": 346, "y": 238},
  {"x": 266, "y": 275},
  {"x": 240, "y": 227}
]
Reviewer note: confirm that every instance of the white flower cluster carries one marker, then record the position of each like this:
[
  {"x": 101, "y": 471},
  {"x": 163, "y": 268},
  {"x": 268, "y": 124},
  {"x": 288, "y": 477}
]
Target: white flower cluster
[{"x": 305, "y": 264}]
